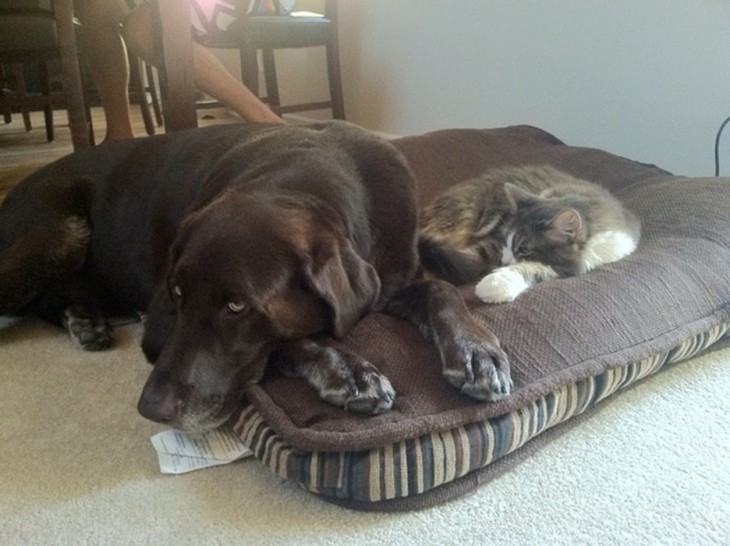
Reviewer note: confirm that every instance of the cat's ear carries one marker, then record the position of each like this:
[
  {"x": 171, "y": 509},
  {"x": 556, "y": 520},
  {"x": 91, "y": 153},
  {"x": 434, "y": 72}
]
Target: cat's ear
[
  {"x": 517, "y": 196},
  {"x": 565, "y": 227}
]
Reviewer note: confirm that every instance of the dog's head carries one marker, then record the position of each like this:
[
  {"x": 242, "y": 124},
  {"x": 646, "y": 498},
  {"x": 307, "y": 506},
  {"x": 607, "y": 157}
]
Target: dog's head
[{"x": 246, "y": 273}]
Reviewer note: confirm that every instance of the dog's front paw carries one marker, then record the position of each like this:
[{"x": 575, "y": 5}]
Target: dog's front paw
[
  {"x": 373, "y": 394},
  {"x": 359, "y": 387},
  {"x": 501, "y": 286},
  {"x": 340, "y": 376},
  {"x": 477, "y": 365},
  {"x": 88, "y": 329}
]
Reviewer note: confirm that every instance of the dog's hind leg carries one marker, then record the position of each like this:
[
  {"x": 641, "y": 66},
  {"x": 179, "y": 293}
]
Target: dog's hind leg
[
  {"x": 44, "y": 238},
  {"x": 38, "y": 258}
]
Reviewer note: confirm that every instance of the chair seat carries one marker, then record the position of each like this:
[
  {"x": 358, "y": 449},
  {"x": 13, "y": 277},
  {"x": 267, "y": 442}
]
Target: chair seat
[
  {"x": 261, "y": 35},
  {"x": 31, "y": 37},
  {"x": 23, "y": 33},
  {"x": 275, "y": 32}
]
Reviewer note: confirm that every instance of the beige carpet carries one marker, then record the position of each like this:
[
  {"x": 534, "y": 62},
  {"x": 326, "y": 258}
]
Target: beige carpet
[{"x": 77, "y": 467}]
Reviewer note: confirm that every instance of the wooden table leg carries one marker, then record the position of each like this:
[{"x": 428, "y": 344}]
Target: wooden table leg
[
  {"x": 173, "y": 43},
  {"x": 71, "y": 74}
]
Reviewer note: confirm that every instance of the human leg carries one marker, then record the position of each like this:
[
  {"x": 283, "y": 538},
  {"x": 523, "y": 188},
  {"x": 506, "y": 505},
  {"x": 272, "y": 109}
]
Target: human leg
[
  {"x": 109, "y": 65},
  {"x": 213, "y": 78},
  {"x": 209, "y": 74}
]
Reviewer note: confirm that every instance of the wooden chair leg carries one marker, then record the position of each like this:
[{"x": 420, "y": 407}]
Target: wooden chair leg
[
  {"x": 335, "y": 81},
  {"x": 171, "y": 30},
  {"x": 7, "y": 113},
  {"x": 152, "y": 89},
  {"x": 45, "y": 83},
  {"x": 272, "y": 83},
  {"x": 139, "y": 91},
  {"x": 250, "y": 69},
  {"x": 87, "y": 109},
  {"x": 22, "y": 93}
]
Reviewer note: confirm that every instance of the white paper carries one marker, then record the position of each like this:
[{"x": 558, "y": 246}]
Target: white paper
[{"x": 179, "y": 452}]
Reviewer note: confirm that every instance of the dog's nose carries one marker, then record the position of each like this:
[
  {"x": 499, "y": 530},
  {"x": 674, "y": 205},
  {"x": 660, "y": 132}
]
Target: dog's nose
[{"x": 160, "y": 404}]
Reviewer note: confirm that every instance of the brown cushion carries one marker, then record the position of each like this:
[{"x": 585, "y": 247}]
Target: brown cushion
[{"x": 571, "y": 342}]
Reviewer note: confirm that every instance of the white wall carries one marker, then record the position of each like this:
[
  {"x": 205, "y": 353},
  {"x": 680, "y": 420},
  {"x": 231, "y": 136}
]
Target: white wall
[{"x": 647, "y": 79}]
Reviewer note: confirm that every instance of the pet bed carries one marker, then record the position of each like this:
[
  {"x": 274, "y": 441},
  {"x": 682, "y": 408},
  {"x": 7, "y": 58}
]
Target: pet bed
[{"x": 572, "y": 343}]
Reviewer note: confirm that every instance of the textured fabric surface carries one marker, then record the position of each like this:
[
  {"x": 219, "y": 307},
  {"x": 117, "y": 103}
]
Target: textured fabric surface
[
  {"x": 675, "y": 286},
  {"x": 417, "y": 467}
]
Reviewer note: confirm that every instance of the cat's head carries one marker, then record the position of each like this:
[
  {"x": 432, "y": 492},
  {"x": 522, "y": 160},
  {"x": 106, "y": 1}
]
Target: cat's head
[{"x": 543, "y": 229}]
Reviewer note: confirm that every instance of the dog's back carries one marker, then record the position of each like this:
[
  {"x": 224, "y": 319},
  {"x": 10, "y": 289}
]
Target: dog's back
[{"x": 136, "y": 193}]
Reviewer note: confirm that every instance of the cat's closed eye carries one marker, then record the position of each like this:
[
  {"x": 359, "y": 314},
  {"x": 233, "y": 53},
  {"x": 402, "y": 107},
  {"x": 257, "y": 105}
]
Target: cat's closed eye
[{"x": 522, "y": 248}]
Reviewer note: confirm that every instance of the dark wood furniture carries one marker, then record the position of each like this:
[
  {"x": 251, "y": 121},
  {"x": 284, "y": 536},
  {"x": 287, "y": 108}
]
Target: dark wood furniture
[
  {"x": 54, "y": 38},
  {"x": 266, "y": 27},
  {"x": 173, "y": 43}
]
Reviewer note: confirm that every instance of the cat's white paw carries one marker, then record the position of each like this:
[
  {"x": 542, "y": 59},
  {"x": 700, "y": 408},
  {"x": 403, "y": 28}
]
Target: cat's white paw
[{"x": 501, "y": 286}]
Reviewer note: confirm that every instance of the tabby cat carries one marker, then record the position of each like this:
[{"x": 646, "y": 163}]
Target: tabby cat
[{"x": 517, "y": 226}]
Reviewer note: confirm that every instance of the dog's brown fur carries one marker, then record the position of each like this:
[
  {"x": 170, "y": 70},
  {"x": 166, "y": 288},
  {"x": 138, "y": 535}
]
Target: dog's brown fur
[{"x": 247, "y": 245}]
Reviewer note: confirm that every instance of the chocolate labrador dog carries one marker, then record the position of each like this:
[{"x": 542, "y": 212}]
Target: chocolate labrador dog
[{"x": 248, "y": 246}]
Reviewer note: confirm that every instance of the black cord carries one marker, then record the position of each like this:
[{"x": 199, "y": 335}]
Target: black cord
[{"x": 717, "y": 146}]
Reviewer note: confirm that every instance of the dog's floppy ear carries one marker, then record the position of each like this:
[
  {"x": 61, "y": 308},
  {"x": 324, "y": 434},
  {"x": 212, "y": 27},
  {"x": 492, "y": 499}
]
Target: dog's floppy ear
[
  {"x": 159, "y": 324},
  {"x": 346, "y": 282}
]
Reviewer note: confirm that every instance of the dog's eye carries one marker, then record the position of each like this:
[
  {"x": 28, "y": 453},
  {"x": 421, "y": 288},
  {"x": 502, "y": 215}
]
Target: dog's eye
[
  {"x": 176, "y": 290},
  {"x": 236, "y": 306}
]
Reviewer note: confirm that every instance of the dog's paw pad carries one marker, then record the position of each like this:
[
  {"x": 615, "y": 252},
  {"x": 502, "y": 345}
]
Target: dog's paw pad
[
  {"x": 490, "y": 386},
  {"x": 376, "y": 395},
  {"x": 501, "y": 286},
  {"x": 87, "y": 329},
  {"x": 489, "y": 389},
  {"x": 478, "y": 369},
  {"x": 365, "y": 391}
]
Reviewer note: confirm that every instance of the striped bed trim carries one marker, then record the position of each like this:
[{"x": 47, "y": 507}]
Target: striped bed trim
[{"x": 418, "y": 465}]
